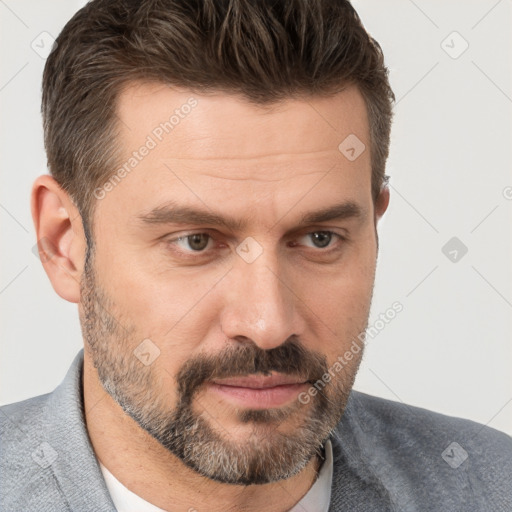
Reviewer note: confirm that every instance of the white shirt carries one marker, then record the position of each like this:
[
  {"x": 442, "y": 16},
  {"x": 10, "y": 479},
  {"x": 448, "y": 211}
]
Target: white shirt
[{"x": 317, "y": 499}]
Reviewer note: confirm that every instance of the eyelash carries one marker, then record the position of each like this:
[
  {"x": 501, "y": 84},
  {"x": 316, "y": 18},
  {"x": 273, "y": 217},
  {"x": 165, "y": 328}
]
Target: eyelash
[{"x": 197, "y": 254}]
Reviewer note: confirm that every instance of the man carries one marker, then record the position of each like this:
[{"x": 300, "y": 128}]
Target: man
[{"x": 217, "y": 175}]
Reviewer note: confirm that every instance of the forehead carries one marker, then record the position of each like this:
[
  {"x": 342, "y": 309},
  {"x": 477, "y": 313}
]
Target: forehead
[
  {"x": 220, "y": 148},
  {"x": 222, "y": 125}
]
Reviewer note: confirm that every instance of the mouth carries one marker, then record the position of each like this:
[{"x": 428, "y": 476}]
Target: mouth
[{"x": 259, "y": 391}]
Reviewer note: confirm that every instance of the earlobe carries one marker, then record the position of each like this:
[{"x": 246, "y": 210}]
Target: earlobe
[{"x": 60, "y": 236}]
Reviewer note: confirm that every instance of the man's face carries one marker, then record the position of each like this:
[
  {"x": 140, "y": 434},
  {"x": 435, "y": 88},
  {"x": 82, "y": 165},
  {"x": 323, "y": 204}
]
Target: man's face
[{"x": 233, "y": 264}]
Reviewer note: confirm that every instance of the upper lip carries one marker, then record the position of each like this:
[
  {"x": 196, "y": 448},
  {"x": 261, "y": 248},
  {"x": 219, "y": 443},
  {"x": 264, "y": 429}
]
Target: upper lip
[{"x": 259, "y": 381}]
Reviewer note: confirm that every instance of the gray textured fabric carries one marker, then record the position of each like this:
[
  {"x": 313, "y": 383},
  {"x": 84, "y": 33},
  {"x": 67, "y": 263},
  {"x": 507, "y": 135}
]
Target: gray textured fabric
[{"x": 387, "y": 457}]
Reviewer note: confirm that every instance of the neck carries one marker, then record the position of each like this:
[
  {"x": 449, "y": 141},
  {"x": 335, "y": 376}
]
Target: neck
[{"x": 146, "y": 468}]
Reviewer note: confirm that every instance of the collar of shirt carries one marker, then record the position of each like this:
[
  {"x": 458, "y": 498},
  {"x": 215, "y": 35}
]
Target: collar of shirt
[{"x": 317, "y": 499}]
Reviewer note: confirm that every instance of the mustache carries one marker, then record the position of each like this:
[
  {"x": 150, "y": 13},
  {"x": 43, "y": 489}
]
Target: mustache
[{"x": 290, "y": 358}]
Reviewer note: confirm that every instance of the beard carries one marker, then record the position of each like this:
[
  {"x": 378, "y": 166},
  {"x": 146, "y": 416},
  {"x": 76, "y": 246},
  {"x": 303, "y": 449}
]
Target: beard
[{"x": 266, "y": 454}]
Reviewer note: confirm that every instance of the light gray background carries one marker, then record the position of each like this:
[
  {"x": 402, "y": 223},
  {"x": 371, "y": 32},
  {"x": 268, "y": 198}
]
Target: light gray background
[{"x": 450, "y": 348}]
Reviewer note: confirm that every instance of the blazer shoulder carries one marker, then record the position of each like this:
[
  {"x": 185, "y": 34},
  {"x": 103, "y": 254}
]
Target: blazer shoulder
[
  {"x": 420, "y": 425},
  {"x": 434, "y": 456},
  {"x": 24, "y": 459},
  {"x": 24, "y": 411},
  {"x": 21, "y": 422}
]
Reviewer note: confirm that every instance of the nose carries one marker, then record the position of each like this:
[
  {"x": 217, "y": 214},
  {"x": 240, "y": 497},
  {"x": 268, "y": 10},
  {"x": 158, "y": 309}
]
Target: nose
[{"x": 260, "y": 305}]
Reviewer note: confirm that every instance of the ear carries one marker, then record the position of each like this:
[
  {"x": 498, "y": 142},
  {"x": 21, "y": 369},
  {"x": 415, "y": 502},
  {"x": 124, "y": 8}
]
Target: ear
[
  {"x": 382, "y": 203},
  {"x": 60, "y": 236}
]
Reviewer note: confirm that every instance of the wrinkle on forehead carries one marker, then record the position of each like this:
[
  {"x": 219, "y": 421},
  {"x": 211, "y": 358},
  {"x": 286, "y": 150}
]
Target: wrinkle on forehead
[
  {"x": 260, "y": 178},
  {"x": 226, "y": 126},
  {"x": 276, "y": 156},
  {"x": 241, "y": 156},
  {"x": 266, "y": 170}
]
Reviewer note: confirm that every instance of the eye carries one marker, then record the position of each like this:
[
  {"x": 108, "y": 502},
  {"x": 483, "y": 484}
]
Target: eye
[
  {"x": 196, "y": 242},
  {"x": 320, "y": 239}
]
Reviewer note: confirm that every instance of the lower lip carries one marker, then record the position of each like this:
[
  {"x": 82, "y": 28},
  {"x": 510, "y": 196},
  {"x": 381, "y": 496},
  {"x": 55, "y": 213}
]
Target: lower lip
[{"x": 264, "y": 398}]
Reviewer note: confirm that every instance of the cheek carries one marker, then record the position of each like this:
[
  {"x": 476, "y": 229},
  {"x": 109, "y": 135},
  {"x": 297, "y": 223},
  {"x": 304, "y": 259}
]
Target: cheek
[
  {"x": 163, "y": 308},
  {"x": 340, "y": 311},
  {"x": 337, "y": 303},
  {"x": 342, "y": 290},
  {"x": 148, "y": 291}
]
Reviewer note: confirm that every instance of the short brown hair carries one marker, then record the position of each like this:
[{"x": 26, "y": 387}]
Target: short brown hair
[{"x": 264, "y": 50}]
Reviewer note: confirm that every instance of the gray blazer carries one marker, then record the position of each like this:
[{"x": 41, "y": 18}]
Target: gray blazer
[{"x": 387, "y": 457}]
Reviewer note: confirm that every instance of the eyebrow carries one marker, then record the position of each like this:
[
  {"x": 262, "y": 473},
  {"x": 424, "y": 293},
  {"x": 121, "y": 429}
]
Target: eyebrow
[
  {"x": 346, "y": 210},
  {"x": 170, "y": 213}
]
